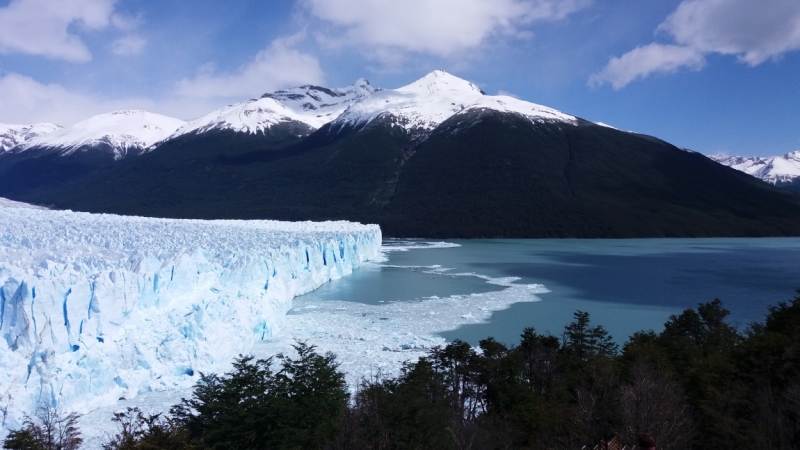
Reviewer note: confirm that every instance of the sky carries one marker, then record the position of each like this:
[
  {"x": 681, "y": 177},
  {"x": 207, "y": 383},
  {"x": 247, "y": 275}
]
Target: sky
[{"x": 714, "y": 76}]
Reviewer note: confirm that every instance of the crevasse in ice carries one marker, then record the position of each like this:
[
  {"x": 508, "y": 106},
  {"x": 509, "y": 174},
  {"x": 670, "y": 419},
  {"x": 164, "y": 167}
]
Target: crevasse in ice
[{"x": 94, "y": 308}]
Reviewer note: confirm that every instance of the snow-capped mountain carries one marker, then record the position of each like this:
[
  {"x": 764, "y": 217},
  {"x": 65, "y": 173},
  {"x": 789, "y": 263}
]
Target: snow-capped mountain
[
  {"x": 120, "y": 133},
  {"x": 422, "y": 105},
  {"x": 775, "y": 169},
  {"x": 14, "y": 135},
  {"x": 321, "y": 105},
  {"x": 313, "y": 106}
]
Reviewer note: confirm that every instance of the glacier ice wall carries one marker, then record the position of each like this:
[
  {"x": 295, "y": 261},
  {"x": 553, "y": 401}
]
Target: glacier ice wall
[{"x": 94, "y": 308}]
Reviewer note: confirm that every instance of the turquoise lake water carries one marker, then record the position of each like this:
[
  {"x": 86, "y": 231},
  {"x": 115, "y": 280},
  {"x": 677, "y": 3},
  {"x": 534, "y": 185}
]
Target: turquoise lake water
[{"x": 626, "y": 285}]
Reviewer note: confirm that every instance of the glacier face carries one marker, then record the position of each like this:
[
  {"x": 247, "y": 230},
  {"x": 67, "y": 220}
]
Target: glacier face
[{"x": 94, "y": 308}]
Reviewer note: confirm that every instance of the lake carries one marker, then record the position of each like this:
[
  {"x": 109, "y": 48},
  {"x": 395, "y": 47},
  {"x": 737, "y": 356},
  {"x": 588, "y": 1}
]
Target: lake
[{"x": 625, "y": 285}]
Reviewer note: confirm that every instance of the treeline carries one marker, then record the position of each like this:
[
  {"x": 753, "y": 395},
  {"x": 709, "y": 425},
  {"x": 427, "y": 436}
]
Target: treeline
[{"x": 698, "y": 384}]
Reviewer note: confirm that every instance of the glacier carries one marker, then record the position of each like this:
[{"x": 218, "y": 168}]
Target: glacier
[{"x": 95, "y": 308}]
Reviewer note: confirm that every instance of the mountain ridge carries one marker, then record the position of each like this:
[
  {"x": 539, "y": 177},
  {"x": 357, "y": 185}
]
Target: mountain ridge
[
  {"x": 119, "y": 132},
  {"x": 436, "y": 158},
  {"x": 12, "y": 135},
  {"x": 776, "y": 170}
]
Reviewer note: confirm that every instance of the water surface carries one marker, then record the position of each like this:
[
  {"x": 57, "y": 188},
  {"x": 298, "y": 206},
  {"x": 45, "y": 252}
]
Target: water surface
[{"x": 626, "y": 285}]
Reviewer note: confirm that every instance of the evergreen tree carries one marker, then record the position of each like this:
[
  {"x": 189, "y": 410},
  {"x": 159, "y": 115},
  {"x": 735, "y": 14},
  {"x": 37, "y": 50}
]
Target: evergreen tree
[
  {"x": 299, "y": 407},
  {"x": 585, "y": 341}
]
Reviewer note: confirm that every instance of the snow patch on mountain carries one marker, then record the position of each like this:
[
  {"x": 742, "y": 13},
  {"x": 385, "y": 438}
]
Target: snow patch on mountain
[
  {"x": 422, "y": 105},
  {"x": 313, "y": 106},
  {"x": 321, "y": 105},
  {"x": 95, "y": 307},
  {"x": 14, "y": 135},
  {"x": 121, "y": 132},
  {"x": 606, "y": 125},
  {"x": 773, "y": 169}
]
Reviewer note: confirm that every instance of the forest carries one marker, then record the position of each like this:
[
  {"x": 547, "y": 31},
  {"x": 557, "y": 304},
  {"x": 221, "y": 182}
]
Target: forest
[{"x": 701, "y": 383}]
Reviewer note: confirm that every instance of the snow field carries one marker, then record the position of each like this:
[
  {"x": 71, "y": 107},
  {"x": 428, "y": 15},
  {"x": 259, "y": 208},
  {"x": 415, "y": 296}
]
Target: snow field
[
  {"x": 13, "y": 135},
  {"x": 129, "y": 131},
  {"x": 95, "y": 308},
  {"x": 310, "y": 105},
  {"x": 434, "y": 98}
]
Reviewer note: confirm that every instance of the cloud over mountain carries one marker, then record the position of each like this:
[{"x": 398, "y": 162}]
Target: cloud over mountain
[
  {"x": 277, "y": 66},
  {"x": 47, "y": 28},
  {"x": 754, "y": 32},
  {"x": 442, "y": 28}
]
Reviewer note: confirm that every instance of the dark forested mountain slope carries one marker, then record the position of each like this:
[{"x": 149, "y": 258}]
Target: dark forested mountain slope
[
  {"x": 490, "y": 174},
  {"x": 480, "y": 173}
]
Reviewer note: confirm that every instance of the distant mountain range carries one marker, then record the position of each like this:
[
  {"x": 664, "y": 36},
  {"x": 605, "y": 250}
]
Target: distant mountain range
[
  {"x": 436, "y": 158},
  {"x": 782, "y": 171},
  {"x": 118, "y": 134}
]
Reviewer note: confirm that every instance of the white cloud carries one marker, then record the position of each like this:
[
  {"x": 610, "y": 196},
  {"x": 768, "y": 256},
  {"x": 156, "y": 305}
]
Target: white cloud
[
  {"x": 384, "y": 28},
  {"x": 42, "y": 27},
  {"x": 279, "y": 65},
  {"x": 25, "y": 100},
  {"x": 128, "y": 45},
  {"x": 643, "y": 61},
  {"x": 753, "y": 31}
]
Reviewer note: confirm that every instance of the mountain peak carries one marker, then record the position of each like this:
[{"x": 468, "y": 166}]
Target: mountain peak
[
  {"x": 424, "y": 104},
  {"x": 118, "y": 132},
  {"x": 125, "y": 112},
  {"x": 12, "y": 135},
  {"x": 308, "y": 104},
  {"x": 441, "y": 81}
]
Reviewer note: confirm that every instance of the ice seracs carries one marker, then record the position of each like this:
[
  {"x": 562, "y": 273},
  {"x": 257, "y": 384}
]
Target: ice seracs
[
  {"x": 120, "y": 133},
  {"x": 422, "y": 105},
  {"x": 312, "y": 106},
  {"x": 774, "y": 169},
  {"x": 94, "y": 307},
  {"x": 14, "y": 135}
]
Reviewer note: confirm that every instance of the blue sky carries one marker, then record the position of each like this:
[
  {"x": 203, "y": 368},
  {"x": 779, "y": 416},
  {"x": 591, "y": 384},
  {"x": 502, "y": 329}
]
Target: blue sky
[{"x": 710, "y": 75}]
